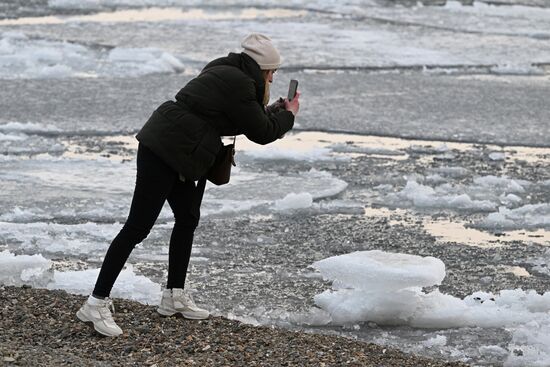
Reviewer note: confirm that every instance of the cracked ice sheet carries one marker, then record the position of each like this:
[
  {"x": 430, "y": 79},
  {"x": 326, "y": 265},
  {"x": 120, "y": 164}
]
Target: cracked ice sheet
[
  {"x": 314, "y": 41},
  {"x": 482, "y": 18}
]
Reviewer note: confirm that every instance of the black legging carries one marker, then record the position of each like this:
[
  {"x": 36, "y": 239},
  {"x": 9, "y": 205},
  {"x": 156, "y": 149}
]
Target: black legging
[{"x": 156, "y": 182}]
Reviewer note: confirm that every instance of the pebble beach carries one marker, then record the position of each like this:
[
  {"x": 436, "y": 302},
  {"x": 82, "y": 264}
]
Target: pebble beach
[{"x": 39, "y": 327}]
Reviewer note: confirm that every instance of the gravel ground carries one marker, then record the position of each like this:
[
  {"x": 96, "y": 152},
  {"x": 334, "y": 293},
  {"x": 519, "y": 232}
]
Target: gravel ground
[{"x": 39, "y": 327}]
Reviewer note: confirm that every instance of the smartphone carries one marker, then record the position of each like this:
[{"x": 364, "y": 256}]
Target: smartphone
[{"x": 292, "y": 88}]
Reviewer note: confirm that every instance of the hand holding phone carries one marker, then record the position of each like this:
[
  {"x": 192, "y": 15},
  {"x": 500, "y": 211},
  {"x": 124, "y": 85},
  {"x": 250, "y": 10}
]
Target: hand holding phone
[
  {"x": 292, "y": 89},
  {"x": 292, "y": 103}
]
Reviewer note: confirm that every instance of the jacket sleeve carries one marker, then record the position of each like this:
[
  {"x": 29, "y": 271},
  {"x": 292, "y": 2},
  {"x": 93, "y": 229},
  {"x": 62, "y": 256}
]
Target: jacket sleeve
[{"x": 249, "y": 116}]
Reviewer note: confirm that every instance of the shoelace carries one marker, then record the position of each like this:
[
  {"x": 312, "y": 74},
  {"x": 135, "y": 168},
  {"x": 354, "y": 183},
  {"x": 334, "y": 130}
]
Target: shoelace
[
  {"x": 109, "y": 307},
  {"x": 186, "y": 299}
]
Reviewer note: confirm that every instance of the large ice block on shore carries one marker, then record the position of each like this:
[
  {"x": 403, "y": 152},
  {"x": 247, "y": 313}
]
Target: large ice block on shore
[
  {"x": 21, "y": 270},
  {"x": 376, "y": 269}
]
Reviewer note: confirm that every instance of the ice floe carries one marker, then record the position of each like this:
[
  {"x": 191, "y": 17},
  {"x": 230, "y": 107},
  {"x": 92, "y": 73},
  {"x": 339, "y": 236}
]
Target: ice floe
[
  {"x": 276, "y": 153},
  {"x": 128, "y": 285},
  {"x": 30, "y": 58},
  {"x": 386, "y": 288},
  {"x": 422, "y": 196},
  {"x": 294, "y": 201},
  {"x": 72, "y": 240},
  {"x": 24, "y": 269},
  {"x": 525, "y": 217},
  {"x": 484, "y": 193},
  {"x": 37, "y": 271}
]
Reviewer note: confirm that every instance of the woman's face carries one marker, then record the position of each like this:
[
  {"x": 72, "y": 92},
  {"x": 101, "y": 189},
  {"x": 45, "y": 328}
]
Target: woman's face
[{"x": 269, "y": 76}]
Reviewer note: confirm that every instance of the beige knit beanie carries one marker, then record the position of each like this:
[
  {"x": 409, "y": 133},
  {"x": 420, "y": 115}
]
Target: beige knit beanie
[{"x": 260, "y": 48}]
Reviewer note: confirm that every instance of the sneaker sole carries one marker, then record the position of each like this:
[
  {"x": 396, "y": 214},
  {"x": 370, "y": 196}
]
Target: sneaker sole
[
  {"x": 165, "y": 313},
  {"x": 91, "y": 324}
]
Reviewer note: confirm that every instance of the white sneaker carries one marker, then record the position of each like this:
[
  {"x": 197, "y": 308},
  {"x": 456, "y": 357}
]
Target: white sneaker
[
  {"x": 98, "y": 312},
  {"x": 176, "y": 301}
]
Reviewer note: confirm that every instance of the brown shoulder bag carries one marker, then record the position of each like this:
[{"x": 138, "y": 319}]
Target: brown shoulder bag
[{"x": 220, "y": 172}]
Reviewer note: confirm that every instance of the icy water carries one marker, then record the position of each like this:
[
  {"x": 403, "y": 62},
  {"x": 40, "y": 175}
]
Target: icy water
[{"x": 423, "y": 130}]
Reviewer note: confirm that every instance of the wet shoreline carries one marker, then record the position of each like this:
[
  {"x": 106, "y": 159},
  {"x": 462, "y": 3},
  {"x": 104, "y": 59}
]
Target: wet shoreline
[{"x": 39, "y": 327}]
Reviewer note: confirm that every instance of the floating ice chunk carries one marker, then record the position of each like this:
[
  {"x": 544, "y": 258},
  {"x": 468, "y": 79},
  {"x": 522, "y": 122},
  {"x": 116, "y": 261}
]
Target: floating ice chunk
[
  {"x": 510, "y": 199},
  {"x": 435, "y": 179},
  {"x": 422, "y": 196},
  {"x": 18, "y": 215},
  {"x": 28, "y": 128},
  {"x": 294, "y": 201},
  {"x": 128, "y": 285},
  {"x": 525, "y": 217},
  {"x": 23, "y": 57},
  {"x": 32, "y": 270},
  {"x": 140, "y": 61},
  {"x": 504, "y": 183},
  {"x": 12, "y": 137},
  {"x": 486, "y": 193},
  {"x": 541, "y": 264},
  {"x": 451, "y": 171},
  {"x": 436, "y": 341},
  {"x": 497, "y": 156}
]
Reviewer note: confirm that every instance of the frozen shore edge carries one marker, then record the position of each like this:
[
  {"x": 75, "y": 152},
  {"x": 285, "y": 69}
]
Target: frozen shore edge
[{"x": 39, "y": 327}]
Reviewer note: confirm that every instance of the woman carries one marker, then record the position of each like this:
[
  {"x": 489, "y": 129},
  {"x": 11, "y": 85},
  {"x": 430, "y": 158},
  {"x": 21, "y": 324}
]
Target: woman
[{"x": 177, "y": 146}]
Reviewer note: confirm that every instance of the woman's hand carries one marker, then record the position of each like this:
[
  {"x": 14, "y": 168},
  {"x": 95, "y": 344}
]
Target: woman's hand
[{"x": 294, "y": 105}]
